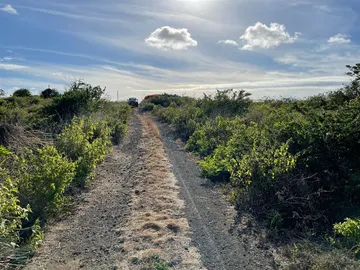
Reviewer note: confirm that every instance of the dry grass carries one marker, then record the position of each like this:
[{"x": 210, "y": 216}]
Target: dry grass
[
  {"x": 307, "y": 255},
  {"x": 157, "y": 226},
  {"x": 151, "y": 126}
]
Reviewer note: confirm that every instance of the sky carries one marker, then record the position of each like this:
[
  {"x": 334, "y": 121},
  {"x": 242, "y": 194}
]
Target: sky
[{"x": 270, "y": 48}]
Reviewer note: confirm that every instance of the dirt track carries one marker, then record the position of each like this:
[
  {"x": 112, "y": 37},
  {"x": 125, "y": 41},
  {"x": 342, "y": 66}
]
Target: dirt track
[{"x": 147, "y": 206}]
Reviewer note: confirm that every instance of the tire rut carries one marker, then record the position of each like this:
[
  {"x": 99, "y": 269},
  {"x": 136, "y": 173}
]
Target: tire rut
[{"x": 211, "y": 217}]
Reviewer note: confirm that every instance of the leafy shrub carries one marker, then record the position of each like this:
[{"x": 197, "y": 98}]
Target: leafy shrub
[
  {"x": 11, "y": 213},
  {"x": 87, "y": 143},
  {"x": 350, "y": 230},
  {"x": 212, "y": 133},
  {"x": 147, "y": 107},
  {"x": 11, "y": 216},
  {"x": 81, "y": 98},
  {"x": 226, "y": 103},
  {"x": 296, "y": 158},
  {"x": 42, "y": 176},
  {"x": 49, "y": 93},
  {"x": 22, "y": 93},
  {"x": 184, "y": 118},
  {"x": 22, "y": 111},
  {"x": 163, "y": 100},
  {"x": 119, "y": 132}
]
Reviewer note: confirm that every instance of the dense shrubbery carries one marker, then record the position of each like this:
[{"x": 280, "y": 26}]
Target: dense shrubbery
[
  {"x": 42, "y": 176},
  {"x": 22, "y": 111},
  {"x": 49, "y": 93},
  {"x": 293, "y": 161},
  {"x": 81, "y": 98},
  {"x": 35, "y": 182},
  {"x": 86, "y": 142},
  {"x": 11, "y": 213},
  {"x": 22, "y": 93}
]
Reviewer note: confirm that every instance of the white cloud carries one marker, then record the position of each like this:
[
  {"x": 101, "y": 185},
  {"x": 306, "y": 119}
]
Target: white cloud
[
  {"x": 229, "y": 42},
  {"x": 168, "y": 38},
  {"x": 339, "y": 39},
  {"x": 6, "y": 58},
  {"x": 9, "y": 9},
  {"x": 262, "y": 36},
  {"x": 11, "y": 66}
]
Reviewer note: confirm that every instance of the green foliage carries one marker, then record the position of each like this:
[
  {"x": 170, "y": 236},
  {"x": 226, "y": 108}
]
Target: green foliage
[
  {"x": 119, "y": 132},
  {"x": 147, "y": 107},
  {"x": 248, "y": 156},
  {"x": 159, "y": 264},
  {"x": 33, "y": 182},
  {"x": 354, "y": 71},
  {"x": 11, "y": 213},
  {"x": 22, "y": 93},
  {"x": 350, "y": 230},
  {"x": 163, "y": 100},
  {"x": 212, "y": 133},
  {"x": 86, "y": 142},
  {"x": 42, "y": 176},
  {"x": 81, "y": 98},
  {"x": 226, "y": 103},
  {"x": 117, "y": 115},
  {"x": 184, "y": 118},
  {"x": 49, "y": 93},
  {"x": 296, "y": 158}
]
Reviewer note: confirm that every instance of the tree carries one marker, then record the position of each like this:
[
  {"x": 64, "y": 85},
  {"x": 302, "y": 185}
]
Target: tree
[
  {"x": 23, "y": 92},
  {"x": 79, "y": 99},
  {"x": 49, "y": 93},
  {"x": 2, "y": 93},
  {"x": 354, "y": 71}
]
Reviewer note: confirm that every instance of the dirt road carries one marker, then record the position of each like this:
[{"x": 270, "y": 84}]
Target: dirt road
[{"x": 148, "y": 208}]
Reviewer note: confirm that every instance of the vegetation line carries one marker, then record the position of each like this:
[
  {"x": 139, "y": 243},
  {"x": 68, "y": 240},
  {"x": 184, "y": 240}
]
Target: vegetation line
[
  {"x": 292, "y": 164},
  {"x": 50, "y": 146}
]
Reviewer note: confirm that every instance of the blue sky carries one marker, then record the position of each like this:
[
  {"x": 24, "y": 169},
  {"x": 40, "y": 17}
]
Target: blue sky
[{"x": 137, "y": 47}]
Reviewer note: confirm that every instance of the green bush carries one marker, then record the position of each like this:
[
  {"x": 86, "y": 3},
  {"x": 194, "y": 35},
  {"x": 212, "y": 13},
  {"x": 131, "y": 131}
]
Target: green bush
[
  {"x": 163, "y": 100},
  {"x": 11, "y": 213},
  {"x": 350, "y": 230},
  {"x": 86, "y": 142},
  {"x": 212, "y": 133},
  {"x": 34, "y": 183},
  {"x": 81, "y": 98},
  {"x": 184, "y": 118},
  {"x": 42, "y": 176},
  {"x": 22, "y": 93},
  {"x": 147, "y": 107},
  {"x": 225, "y": 103},
  {"x": 49, "y": 93},
  {"x": 296, "y": 158},
  {"x": 119, "y": 132}
]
